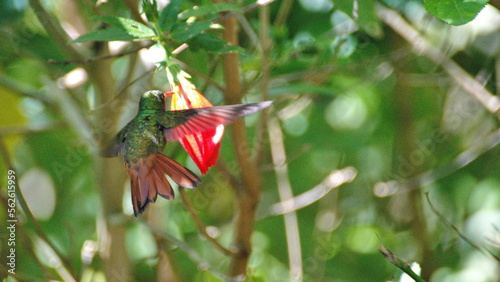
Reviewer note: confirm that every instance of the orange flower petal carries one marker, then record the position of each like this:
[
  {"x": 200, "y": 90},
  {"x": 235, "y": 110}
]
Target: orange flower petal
[{"x": 202, "y": 147}]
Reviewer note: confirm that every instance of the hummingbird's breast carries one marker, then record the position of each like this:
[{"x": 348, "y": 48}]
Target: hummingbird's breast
[{"x": 144, "y": 138}]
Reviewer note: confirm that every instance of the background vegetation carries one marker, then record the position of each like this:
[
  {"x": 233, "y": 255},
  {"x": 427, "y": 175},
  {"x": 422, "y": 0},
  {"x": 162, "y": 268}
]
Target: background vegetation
[{"x": 380, "y": 150}]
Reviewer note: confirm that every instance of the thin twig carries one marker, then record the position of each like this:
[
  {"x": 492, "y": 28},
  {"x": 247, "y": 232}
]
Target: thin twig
[
  {"x": 335, "y": 179},
  {"x": 391, "y": 257},
  {"x": 330, "y": 69},
  {"x": 247, "y": 28},
  {"x": 105, "y": 57},
  {"x": 179, "y": 49},
  {"x": 459, "y": 233},
  {"x": 461, "y": 77},
  {"x": 121, "y": 92},
  {"x": 431, "y": 176},
  {"x": 266, "y": 45},
  {"x": 65, "y": 264},
  {"x": 495, "y": 241},
  {"x": 201, "y": 225},
  {"x": 283, "y": 13},
  {"x": 55, "y": 30},
  {"x": 286, "y": 195}
]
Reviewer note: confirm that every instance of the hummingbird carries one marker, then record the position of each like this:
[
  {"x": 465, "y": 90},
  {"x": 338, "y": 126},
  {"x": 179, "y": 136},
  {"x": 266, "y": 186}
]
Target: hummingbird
[{"x": 142, "y": 140}]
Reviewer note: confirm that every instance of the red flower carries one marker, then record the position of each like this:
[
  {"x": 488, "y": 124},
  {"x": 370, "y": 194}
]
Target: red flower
[{"x": 202, "y": 147}]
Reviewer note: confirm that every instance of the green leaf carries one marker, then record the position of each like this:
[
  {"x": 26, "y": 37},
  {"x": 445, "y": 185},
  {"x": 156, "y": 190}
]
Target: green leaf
[
  {"x": 213, "y": 44},
  {"x": 150, "y": 9},
  {"x": 124, "y": 30},
  {"x": 168, "y": 15},
  {"x": 183, "y": 31},
  {"x": 208, "y": 9},
  {"x": 136, "y": 29},
  {"x": 109, "y": 34},
  {"x": 455, "y": 12}
]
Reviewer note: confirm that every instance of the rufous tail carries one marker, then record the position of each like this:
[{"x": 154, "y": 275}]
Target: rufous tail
[{"x": 147, "y": 180}]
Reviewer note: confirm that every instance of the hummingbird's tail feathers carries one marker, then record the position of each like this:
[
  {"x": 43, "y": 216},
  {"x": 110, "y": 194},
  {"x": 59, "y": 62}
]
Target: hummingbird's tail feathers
[
  {"x": 163, "y": 187},
  {"x": 178, "y": 124},
  {"x": 140, "y": 189},
  {"x": 147, "y": 180},
  {"x": 179, "y": 174}
]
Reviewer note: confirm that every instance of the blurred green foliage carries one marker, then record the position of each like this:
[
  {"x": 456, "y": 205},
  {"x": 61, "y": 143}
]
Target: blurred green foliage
[{"x": 348, "y": 91}]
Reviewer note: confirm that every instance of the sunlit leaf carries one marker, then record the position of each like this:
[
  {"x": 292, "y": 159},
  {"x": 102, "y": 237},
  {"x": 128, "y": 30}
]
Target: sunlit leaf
[
  {"x": 123, "y": 30},
  {"x": 455, "y": 12},
  {"x": 134, "y": 28}
]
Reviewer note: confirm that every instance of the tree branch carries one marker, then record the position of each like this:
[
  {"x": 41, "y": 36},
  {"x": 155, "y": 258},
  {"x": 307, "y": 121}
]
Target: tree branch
[
  {"x": 286, "y": 195},
  {"x": 335, "y": 179},
  {"x": 249, "y": 194}
]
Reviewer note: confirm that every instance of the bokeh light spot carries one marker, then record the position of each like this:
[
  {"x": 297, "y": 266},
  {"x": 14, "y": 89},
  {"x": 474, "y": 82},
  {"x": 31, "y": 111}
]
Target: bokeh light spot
[
  {"x": 296, "y": 125},
  {"x": 346, "y": 112}
]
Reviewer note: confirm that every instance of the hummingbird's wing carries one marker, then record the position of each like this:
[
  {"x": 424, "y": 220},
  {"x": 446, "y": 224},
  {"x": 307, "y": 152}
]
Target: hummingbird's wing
[
  {"x": 117, "y": 146},
  {"x": 178, "y": 124}
]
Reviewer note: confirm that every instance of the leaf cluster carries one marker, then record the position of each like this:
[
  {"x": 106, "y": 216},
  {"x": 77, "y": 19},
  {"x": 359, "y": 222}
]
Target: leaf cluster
[{"x": 166, "y": 26}]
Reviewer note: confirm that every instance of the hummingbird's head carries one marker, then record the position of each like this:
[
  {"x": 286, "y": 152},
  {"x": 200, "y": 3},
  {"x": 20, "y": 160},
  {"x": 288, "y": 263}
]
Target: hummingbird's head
[{"x": 152, "y": 100}]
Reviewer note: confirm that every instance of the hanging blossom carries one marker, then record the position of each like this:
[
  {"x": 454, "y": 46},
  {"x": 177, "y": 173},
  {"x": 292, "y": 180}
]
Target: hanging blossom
[{"x": 202, "y": 147}]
